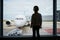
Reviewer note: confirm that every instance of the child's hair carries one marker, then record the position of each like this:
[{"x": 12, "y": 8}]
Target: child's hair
[{"x": 35, "y": 8}]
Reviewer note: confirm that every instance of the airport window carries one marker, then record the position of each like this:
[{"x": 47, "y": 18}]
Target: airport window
[
  {"x": 24, "y": 8},
  {"x": 58, "y": 17}
]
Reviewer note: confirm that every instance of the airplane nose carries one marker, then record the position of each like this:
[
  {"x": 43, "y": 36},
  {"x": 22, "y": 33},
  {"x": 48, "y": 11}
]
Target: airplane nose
[{"x": 8, "y": 22}]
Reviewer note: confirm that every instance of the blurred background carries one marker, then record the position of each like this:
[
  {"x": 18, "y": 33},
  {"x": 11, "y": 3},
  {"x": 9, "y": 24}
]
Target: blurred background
[
  {"x": 11, "y": 8},
  {"x": 58, "y": 17}
]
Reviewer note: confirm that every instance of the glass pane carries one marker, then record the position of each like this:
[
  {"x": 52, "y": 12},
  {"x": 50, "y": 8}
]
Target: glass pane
[
  {"x": 58, "y": 17},
  {"x": 13, "y": 8}
]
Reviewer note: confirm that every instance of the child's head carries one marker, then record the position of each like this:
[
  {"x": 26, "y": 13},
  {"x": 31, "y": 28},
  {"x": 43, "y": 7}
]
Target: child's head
[{"x": 35, "y": 8}]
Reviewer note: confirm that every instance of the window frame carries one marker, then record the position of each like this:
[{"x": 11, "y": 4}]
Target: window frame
[{"x": 54, "y": 21}]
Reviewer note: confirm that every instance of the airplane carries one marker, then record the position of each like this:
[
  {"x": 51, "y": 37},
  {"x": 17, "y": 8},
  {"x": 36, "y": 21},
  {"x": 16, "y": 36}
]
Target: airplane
[{"x": 19, "y": 20}]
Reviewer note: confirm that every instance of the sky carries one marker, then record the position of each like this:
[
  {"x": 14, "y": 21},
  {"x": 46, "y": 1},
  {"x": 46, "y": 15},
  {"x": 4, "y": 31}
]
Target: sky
[
  {"x": 11, "y": 8},
  {"x": 58, "y": 4}
]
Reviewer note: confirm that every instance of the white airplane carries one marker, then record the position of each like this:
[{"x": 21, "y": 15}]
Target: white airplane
[{"x": 19, "y": 22}]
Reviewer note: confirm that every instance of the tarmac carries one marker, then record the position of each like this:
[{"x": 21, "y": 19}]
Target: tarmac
[{"x": 27, "y": 31}]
